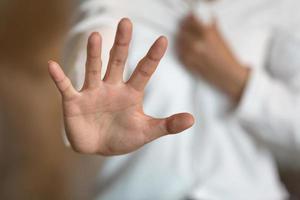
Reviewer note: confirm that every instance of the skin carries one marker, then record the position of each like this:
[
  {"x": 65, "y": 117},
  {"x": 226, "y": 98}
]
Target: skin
[
  {"x": 203, "y": 51},
  {"x": 106, "y": 116}
]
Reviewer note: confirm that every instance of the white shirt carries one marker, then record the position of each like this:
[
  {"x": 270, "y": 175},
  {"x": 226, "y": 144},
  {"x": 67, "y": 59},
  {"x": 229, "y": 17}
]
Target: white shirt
[{"x": 229, "y": 153}]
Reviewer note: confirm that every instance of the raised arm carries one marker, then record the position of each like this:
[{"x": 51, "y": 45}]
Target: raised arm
[{"x": 106, "y": 116}]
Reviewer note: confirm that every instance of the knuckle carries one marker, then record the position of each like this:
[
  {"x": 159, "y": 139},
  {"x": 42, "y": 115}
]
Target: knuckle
[
  {"x": 63, "y": 84},
  {"x": 153, "y": 58},
  {"x": 93, "y": 55},
  {"x": 120, "y": 43},
  {"x": 62, "y": 81},
  {"x": 118, "y": 62},
  {"x": 94, "y": 72},
  {"x": 144, "y": 72},
  {"x": 66, "y": 84}
]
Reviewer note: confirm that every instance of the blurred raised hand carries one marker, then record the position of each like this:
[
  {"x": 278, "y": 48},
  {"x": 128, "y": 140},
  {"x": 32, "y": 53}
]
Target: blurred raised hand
[{"x": 106, "y": 116}]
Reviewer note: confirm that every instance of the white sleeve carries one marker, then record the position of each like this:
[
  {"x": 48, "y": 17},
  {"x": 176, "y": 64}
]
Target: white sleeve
[{"x": 270, "y": 106}]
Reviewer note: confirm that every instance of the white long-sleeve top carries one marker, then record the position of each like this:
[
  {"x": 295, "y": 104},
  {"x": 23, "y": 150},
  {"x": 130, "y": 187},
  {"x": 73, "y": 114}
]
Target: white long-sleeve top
[{"x": 229, "y": 153}]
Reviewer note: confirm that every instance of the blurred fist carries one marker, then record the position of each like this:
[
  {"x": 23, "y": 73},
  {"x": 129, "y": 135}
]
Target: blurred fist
[{"x": 203, "y": 50}]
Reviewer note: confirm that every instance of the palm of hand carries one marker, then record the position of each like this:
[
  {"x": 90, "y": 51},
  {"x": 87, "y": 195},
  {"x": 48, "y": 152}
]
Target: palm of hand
[
  {"x": 106, "y": 117},
  {"x": 95, "y": 118}
]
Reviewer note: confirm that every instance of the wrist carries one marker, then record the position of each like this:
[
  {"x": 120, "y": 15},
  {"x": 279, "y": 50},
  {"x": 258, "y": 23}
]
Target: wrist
[{"x": 238, "y": 82}]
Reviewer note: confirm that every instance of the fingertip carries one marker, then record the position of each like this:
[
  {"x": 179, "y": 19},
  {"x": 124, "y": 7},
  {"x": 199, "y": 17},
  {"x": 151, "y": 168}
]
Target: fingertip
[
  {"x": 161, "y": 44},
  {"x": 125, "y": 19},
  {"x": 51, "y": 63},
  {"x": 190, "y": 120},
  {"x": 180, "y": 122},
  {"x": 125, "y": 25},
  {"x": 125, "y": 22},
  {"x": 51, "y": 67},
  {"x": 55, "y": 70},
  {"x": 163, "y": 40},
  {"x": 124, "y": 32},
  {"x": 94, "y": 46},
  {"x": 95, "y": 38}
]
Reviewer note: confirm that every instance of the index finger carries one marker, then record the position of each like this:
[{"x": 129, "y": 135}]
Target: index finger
[{"x": 148, "y": 64}]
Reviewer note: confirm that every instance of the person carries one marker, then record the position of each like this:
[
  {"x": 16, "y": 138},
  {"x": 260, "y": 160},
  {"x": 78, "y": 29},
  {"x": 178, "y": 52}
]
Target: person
[{"x": 243, "y": 102}]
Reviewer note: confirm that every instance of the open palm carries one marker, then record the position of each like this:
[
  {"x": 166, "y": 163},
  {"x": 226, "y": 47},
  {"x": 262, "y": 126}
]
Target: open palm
[{"x": 106, "y": 117}]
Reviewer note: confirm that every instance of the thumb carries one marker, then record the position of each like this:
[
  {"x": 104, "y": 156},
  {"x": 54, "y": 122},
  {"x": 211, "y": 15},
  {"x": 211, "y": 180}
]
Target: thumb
[{"x": 171, "y": 125}]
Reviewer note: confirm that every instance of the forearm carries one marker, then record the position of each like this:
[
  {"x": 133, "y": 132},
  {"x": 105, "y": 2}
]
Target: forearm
[
  {"x": 270, "y": 110},
  {"x": 234, "y": 82}
]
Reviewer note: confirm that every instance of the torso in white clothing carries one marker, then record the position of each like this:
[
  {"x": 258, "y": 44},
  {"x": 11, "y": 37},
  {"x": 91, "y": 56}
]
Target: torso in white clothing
[{"x": 217, "y": 158}]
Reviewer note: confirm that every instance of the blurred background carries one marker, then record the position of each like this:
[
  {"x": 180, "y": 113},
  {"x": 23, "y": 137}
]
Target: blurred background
[{"x": 34, "y": 162}]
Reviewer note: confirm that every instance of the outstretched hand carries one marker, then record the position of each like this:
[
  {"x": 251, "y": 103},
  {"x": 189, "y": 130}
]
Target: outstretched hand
[{"x": 106, "y": 116}]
